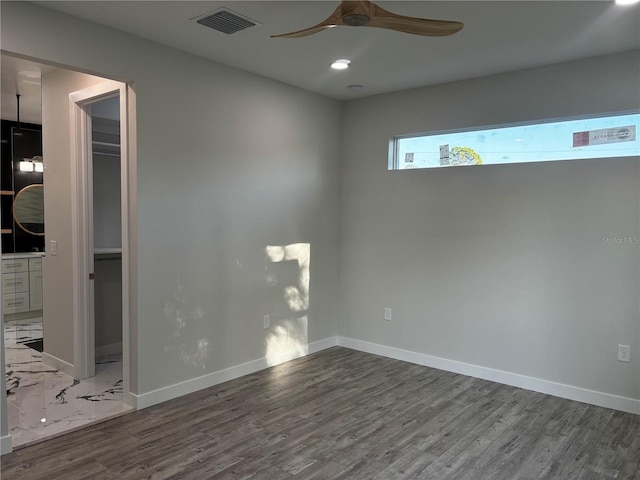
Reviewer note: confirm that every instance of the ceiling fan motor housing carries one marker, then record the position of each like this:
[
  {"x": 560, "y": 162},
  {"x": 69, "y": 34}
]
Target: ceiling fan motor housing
[{"x": 356, "y": 20}]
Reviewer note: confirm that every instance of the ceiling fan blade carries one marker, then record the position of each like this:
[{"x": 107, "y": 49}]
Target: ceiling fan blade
[
  {"x": 364, "y": 13},
  {"x": 305, "y": 32},
  {"x": 332, "y": 21},
  {"x": 417, "y": 26}
]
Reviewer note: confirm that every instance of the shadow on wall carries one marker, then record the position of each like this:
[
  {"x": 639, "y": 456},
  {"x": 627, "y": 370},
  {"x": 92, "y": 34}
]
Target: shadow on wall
[
  {"x": 287, "y": 303},
  {"x": 188, "y": 323},
  {"x": 288, "y": 277}
]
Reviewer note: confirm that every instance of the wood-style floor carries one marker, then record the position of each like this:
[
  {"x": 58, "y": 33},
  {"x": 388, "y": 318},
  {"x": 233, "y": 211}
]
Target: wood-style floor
[{"x": 342, "y": 414}]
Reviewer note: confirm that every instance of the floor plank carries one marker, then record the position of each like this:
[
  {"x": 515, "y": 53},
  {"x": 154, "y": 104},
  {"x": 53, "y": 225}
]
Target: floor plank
[{"x": 343, "y": 414}]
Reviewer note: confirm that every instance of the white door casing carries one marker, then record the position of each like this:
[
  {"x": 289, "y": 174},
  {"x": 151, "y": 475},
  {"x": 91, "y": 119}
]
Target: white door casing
[{"x": 82, "y": 225}]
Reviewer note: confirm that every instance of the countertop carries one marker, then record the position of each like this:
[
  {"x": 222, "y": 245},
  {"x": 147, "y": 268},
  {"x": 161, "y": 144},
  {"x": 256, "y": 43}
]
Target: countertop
[{"x": 22, "y": 255}]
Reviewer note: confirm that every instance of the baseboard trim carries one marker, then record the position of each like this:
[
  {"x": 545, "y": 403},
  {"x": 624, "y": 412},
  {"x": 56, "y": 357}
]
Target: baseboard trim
[
  {"x": 130, "y": 399},
  {"x": 569, "y": 392},
  {"x": 58, "y": 364},
  {"x": 6, "y": 446},
  {"x": 110, "y": 349},
  {"x": 170, "y": 392}
]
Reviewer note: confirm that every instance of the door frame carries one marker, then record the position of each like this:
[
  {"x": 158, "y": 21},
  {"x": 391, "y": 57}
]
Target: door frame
[{"x": 82, "y": 225}]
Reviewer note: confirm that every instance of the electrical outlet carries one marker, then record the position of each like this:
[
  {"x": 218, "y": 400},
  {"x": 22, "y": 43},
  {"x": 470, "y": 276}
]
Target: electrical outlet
[
  {"x": 624, "y": 353},
  {"x": 387, "y": 314},
  {"x": 266, "y": 320},
  {"x": 53, "y": 248}
]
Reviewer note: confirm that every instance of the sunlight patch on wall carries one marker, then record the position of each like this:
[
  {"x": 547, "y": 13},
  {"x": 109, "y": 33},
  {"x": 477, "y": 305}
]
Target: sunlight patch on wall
[
  {"x": 188, "y": 345},
  {"x": 287, "y": 341},
  {"x": 287, "y": 337},
  {"x": 296, "y": 296}
]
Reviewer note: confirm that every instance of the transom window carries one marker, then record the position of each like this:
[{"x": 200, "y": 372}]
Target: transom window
[{"x": 610, "y": 136}]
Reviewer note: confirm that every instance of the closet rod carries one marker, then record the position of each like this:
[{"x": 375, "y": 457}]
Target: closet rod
[{"x": 105, "y": 154}]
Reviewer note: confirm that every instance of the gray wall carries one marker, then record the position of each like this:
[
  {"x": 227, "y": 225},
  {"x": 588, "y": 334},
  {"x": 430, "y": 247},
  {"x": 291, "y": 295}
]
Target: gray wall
[
  {"x": 108, "y": 302},
  {"x": 106, "y": 202},
  {"x": 498, "y": 266},
  {"x": 227, "y": 164}
]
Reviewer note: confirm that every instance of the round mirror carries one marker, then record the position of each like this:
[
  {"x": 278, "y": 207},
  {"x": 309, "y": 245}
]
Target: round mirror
[{"x": 28, "y": 209}]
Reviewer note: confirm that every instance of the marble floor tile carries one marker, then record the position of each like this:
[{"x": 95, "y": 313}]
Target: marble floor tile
[
  {"x": 20, "y": 331},
  {"x": 13, "y": 414},
  {"x": 43, "y": 402}
]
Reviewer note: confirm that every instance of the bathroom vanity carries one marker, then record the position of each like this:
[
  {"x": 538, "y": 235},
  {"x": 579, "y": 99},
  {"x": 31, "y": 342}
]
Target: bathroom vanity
[{"x": 22, "y": 284}]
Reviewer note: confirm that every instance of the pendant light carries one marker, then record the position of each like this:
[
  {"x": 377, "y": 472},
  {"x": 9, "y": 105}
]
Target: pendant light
[{"x": 28, "y": 164}]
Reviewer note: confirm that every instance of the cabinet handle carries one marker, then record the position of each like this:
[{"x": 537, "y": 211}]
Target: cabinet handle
[{"x": 13, "y": 267}]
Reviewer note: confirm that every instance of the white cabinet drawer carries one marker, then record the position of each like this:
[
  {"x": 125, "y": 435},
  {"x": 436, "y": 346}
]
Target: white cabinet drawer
[
  {"x": 15, "y": 303},
  {"x": 15, "y": 282},
  {"x": 35, "y": 290},
  {"x": 12, "y": 265},
  {"x": 35, "y": 264}
]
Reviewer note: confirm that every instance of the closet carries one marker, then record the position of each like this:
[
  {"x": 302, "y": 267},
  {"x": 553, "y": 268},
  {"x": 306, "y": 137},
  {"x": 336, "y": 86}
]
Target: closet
[{"x": 107, "y": 227}]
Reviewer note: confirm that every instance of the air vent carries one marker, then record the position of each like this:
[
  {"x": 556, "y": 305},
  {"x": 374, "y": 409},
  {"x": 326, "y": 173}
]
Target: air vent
[{"x": 226, "y": 21}]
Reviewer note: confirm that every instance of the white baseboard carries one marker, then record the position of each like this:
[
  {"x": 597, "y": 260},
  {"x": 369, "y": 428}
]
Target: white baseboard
[
  {"x": 5, "y": 445},
  {"x": 160, "y": 395},
  {"x": 58, "y": 364},
  {"x": 507, "y": 378},
  {"x": 569, "y": 392},
  {"x": 130, "y": 399},
  {"x": 110, "y": 349}
]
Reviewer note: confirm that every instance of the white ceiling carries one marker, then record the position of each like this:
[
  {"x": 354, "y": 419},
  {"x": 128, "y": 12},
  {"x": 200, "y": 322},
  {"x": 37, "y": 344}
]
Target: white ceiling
[
  {"x": 498, "y": 36},
  {"x": 23, "y": 77}
]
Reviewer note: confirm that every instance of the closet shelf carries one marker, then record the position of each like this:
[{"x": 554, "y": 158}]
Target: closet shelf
[
  {"x": 106, "y": 148},
  {"x": 107, "y": 251}
]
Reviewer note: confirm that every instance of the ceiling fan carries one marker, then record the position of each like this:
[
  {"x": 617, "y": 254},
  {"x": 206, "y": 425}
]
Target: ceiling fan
[{"x": 363, "y": 13}]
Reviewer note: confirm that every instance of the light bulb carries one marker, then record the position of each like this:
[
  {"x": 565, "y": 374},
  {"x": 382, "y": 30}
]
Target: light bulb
[
  {"x": 341, "y": 64},
  {"x": 26, "y": 166}
]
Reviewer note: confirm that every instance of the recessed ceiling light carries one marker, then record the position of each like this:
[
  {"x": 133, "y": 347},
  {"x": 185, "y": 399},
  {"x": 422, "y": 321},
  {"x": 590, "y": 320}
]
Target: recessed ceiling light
[
  {"x": 626, "y": 2},
  {"x": 341, "y": 64},
  {"x": 355, "y": 87}
]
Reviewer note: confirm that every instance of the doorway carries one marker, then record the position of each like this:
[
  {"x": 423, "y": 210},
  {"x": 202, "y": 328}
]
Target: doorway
[
  {"x": 99, "y": 212},
  {"x": 90, "y": 345}
]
